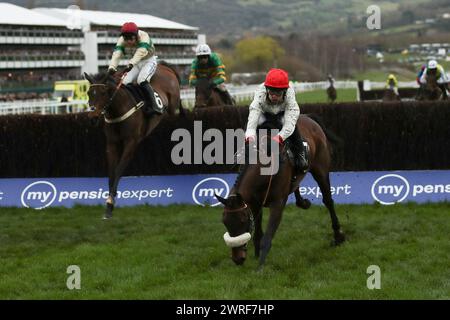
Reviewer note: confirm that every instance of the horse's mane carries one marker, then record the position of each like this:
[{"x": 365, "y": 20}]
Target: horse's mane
[
  {"x": 243, "y": 168},
  {"x": 171, "y": 67},
  {"x": 100, "y": 77}
]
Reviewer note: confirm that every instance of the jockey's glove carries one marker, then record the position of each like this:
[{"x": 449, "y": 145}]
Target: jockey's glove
[
  {"x": 128, "y": 67},
  {"x": 111, "y": 71},
  {"x": 278, "y": 139},
  {"x": 250, "y": 139}
]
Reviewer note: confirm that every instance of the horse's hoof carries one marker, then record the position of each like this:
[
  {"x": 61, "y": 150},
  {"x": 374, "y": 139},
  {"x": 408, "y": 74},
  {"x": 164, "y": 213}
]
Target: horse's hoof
[
  {"x": 304, "y": 204},
  {"x": 339, "y": 238},
  {"x": 107, "y": 216}
]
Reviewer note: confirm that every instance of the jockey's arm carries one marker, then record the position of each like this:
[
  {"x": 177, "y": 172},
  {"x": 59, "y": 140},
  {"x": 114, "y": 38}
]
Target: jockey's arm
[
  {"x": 255, "y": 112},
  {"x": 193, "y": 75},
  {"x": 118, "y": 53},
  {"x": 444, "y": 77},
  {"x": 423, "y": 78},
  {"x": 145, "y": 48},
  {"x": 291, "y": 114},
  {"x": 218, "y": 80},
  {"x": 219, "y": 73}
]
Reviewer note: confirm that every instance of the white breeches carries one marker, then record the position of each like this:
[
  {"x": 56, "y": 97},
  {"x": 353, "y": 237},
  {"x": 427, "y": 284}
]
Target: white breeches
[{"x": 141, "y": 72}]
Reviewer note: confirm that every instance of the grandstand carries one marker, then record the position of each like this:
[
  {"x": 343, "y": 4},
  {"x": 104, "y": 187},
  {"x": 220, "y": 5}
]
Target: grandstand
[
  {"x": 174, "y": 42},
  {"x": 43, "y": 45}
]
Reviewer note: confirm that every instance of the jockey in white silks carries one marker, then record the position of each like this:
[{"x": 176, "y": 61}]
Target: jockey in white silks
[{"x": 276, "y": 97}]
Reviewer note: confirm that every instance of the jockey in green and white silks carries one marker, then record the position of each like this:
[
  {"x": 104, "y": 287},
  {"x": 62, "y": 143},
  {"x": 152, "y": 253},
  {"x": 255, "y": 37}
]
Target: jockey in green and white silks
[
  {"x": 209, "y": 65},
  {"x": 136, "y": 45}
]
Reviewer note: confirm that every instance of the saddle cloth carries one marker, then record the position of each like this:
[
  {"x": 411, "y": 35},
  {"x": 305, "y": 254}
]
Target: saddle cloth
[
  {"x": 139, "y": 95},
  {"x": 275, "y": 120},
  {"x": 136, "y": 91}
]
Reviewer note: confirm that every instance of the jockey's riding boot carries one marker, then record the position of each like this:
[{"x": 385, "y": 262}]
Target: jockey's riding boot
[
  {"x": 298, "y": 149},
  {"x": 150, "y": 103}
]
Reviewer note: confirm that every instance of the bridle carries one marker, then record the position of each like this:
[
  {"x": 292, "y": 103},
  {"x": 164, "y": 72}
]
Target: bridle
[
  {"x": 207, "y": 97},
  {"x": 109, "y": 103},
  {"x": 250, "y": 215}
]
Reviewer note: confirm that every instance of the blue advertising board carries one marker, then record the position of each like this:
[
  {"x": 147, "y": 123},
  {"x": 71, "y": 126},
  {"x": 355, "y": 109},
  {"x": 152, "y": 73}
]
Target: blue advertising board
[{"x": 347, "y": 187}]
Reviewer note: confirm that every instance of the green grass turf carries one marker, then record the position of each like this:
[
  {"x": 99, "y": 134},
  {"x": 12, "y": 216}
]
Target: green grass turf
[
  {"x": 177, "y": 252},
  {"x": 318, "y": 96}
]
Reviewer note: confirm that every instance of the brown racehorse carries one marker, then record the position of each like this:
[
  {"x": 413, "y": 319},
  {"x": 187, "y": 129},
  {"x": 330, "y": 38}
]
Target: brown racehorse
[
  {"x": 431, "y": 90},
  {"x": 125, "y": 123},
  {"x": 331, "y": 93},
  {"x": 389, "y": 94},
  {"x": 253, "y": 191},
  {"x": 206, "y": 95}
]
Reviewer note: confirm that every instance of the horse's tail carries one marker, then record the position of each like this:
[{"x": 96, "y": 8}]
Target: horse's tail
[
  {"x": 171, "y": 67},
  {"x": 331, "y": 136}
]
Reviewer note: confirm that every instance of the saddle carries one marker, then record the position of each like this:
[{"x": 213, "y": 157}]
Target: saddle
[
  {"x": 274, "y": 121},
  {"x": 139, "y": 94}
]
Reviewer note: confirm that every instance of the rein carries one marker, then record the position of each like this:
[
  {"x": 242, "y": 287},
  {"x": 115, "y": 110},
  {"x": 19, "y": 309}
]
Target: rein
[
  {"x": 270, "y": 179},
  {"x": 105, "y": 108}
]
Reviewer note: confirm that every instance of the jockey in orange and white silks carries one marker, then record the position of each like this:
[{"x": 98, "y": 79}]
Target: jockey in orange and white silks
[
  {"x": 277, "y": 97},
  {"x": 137, "y": 45}
]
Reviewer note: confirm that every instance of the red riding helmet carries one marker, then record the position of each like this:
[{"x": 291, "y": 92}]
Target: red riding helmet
[
  {"x": 129, "y": 27},
  {"x": 277, "y": 78}
]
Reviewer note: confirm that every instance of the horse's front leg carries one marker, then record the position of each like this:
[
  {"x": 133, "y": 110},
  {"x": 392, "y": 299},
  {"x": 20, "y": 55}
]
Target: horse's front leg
[
  {"x": 300, "y": 201},
  {"x": 323, "y": 180},
  {"x": 276, "y": 212},
  {"x": 127, "y": 154},
  {"x": 258, "y": 230},
  {"x": 112, "y": 157}
]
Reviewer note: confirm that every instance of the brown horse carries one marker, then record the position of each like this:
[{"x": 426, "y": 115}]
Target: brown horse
[
  {"x": 125, "y": 123},
  {"x": 253, "y": 191},
  {"x": 206, "y": 95},
  {"x": 431, "y": 90},
  {"x": 331, "y": 93},
  {"x": 390, "y": 95}
]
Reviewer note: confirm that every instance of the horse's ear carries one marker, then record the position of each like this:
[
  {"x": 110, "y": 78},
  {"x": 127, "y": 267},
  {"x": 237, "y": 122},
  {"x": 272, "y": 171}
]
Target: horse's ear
[
  {"x": 239, "y": 197},
  {"x": 221, "y": 200},
  {"x": 88, "y": 78}
]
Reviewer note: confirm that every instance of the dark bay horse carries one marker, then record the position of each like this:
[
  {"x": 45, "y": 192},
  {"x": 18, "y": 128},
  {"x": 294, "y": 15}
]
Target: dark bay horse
[
  {"x": 431, "y": 90},
  {"x": 331, "y": 93},
  {"x": 390, "y": 95},
  {"x": 253, "y": 191},
  {"x": 206, "y": 95},
  {"x": 125, "y": 124}
]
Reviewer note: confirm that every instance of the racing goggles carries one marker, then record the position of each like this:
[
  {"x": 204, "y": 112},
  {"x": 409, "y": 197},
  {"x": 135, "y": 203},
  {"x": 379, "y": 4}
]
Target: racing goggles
[{"x": 275, "y": 91}]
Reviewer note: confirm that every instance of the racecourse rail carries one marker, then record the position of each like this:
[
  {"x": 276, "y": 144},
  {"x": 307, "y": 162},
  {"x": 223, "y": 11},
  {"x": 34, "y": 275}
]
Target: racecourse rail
[{"x": 240, "y": 93}]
